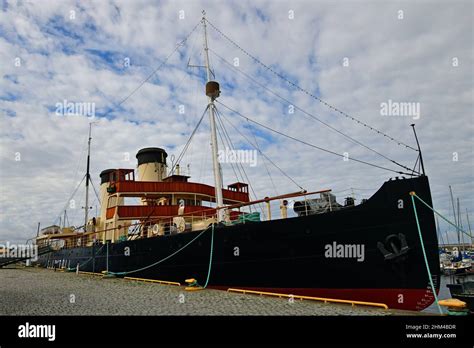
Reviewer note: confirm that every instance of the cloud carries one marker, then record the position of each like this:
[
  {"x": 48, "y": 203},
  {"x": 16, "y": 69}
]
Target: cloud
[{"x": 100, "y": 51}]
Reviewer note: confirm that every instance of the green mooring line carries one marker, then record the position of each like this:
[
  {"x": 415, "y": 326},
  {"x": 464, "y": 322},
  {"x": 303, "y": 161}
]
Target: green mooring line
[
  {"x": 445, "y": 219},
  {"x": 71, "y": 269},
  {"x": 164, "y": 259},
  {"x": 424, "y": 252},
  {"x": 210, "y": 257}
]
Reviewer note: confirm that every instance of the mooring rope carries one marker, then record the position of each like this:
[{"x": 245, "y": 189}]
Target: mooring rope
[
  {"x": 85, "y": 262},
  {"x": 168, "y": 257},
  {"x": 413, "y": 194},
  {"x": 210, "y": 257},
  {"x": 439, "y": 214}
]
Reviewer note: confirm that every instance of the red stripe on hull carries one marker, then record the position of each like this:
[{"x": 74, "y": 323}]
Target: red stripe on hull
[{"x": 406, "y": 299}]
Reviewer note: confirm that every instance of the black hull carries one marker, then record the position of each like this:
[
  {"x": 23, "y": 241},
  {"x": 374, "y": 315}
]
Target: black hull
[{"x": 288, "y": 255}]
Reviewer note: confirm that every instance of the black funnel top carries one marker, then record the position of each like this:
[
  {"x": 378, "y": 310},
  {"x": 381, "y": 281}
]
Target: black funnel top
[
  {"x": 151, "y": 154},
  {"x": 104, "y": 175}
]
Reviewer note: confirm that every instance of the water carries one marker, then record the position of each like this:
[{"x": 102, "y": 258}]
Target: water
[{"x": 443, "y": 293}]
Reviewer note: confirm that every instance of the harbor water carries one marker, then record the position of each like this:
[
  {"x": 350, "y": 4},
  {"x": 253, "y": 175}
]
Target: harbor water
[{"x": 443, "y": 293}]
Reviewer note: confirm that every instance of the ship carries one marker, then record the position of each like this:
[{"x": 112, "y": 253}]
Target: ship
[{"x": 219, "y": 238}]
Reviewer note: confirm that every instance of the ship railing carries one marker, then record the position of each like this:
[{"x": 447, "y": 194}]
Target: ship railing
[
  {"x": 271, "y": 211},
  {"x": 141, "y": 229},
  {"x": 193, "y": 221}
]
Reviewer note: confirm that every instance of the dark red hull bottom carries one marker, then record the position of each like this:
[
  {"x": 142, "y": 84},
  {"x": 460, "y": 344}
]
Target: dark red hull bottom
[{"x": 405, "y": 299}]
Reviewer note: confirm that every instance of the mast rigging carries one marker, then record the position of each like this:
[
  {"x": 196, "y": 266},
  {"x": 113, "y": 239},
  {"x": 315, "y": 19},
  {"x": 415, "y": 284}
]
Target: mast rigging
[
  {"x": 88, "y": 176},
  {"x": 214, "y": 145}
]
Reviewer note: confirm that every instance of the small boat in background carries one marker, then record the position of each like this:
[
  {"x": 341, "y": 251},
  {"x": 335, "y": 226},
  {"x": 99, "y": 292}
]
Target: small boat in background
[
  {"x": 455, "y": 263},
  {"x": 463, "y": 290},
  {"x": 456, "y": 268}
]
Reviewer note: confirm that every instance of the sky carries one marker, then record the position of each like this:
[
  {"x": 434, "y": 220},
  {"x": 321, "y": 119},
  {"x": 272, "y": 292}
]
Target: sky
[{"x": 354, "y": 55}]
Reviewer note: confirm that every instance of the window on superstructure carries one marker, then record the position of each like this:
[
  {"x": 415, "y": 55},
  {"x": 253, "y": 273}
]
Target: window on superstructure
[{"x": 112, "y": 202}]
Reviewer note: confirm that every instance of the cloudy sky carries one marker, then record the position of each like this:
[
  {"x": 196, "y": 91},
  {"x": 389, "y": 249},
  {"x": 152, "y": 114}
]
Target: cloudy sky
[{"x": 355, "y": 55}]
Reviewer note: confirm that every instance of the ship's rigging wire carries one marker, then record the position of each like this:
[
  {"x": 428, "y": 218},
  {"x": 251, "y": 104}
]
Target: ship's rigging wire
[
  {"x": 186, "y": 75},
  {"x": 241, "y": 168},
  {"x": 256, "y": 147},
  {"x": 219, "y": 131},
  {"x": 230, "y": 144},
  {"x": 163, "y": 63},
  {"x": 204, "y": 162},
  {"x": 80, "y": 160},
  {"x": 183, "y": 151},
  {"x": 264, "y": 161},
  {"x": 95, "y": 191},
  {"x": 419, "y": 165},
  {"x": 70, "y": 198},
  {"x": 309, "y": 144},
  {"x": 226, "y": 133},
  {"x": 83, "y": 151},
  {"x": 307, "y": 92},
  {"x": 311, "y": 115},
  {"x": 178, "y": 45},
  {"x": 180, "y": 157}
]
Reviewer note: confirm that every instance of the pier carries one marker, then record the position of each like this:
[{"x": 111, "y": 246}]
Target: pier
[{"x": 39, "y": 291}]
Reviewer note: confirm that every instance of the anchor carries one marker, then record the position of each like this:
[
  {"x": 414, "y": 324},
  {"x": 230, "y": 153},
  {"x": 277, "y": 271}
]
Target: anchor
[{"x": 394, "y": 248}]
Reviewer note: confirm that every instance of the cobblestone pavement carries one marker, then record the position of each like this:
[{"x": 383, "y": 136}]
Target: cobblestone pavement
[{"x": 36, "y": 291}]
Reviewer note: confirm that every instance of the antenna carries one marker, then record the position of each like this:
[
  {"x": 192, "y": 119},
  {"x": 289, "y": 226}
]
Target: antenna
[
  {"x": 88, "y": 176},
  {"x": 419, "y": 149}
]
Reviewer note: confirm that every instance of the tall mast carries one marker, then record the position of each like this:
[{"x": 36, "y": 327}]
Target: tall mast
[
  {"x": 86, "y": 208},
  {"x": 438, "y": 231},
  {"x": 214, "y": 145},
  {"x": 460, "y": 224},
  {"x": 454, "y": 213},
  {"x": 469, "y": 225}
]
